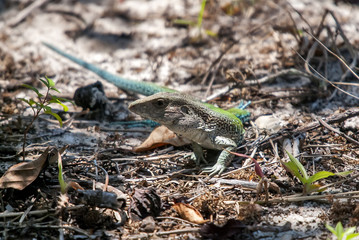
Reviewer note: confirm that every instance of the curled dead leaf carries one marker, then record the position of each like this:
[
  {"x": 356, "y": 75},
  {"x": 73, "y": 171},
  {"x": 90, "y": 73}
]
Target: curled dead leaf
[
  {"x": 75, "y": 185},
  {"x": 189, "y": 213},
  {"x": 161, "y": 136},
  {"x": 23, "y": 174}
]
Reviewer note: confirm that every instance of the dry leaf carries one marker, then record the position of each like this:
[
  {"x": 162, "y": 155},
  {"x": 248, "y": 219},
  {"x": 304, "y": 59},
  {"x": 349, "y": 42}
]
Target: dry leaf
[
  {"x": 189, "y": 213},
  {"x": 23, "y": 174},
  {"x": 161, "y": 136},
  {"x": 75, "y": 185}
]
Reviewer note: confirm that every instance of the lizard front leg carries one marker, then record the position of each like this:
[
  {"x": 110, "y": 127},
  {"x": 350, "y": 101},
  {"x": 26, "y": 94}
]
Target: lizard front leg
[
  {"x": 224, "y": 158},
  {"x": 223, "y": 161},
  {"x": 197, "y": 155}
]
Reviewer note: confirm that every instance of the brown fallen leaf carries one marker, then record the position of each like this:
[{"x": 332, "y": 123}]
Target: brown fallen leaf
[
  {"x": 23, "y": 174},
  {"x": 189, "y": 213},
  {"x": 75, "y": 185},
  {"x": 161, "y": 136}
]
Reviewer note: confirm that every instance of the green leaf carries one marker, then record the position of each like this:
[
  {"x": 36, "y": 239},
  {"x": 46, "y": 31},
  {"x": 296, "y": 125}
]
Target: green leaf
[
  {"x": 57, "y": 101},
  {"x": 25, "y": 100},
  {"x": 33, "y": 89},
  {"x": 44, "y": 82},
  {"x": 46, "y": 108},
  {"x": 343, "y": 174},
  {"x": 55, "y": 89},
  {"x": 32, "y": 102},
  {"x": 51, "y": 83},
  {"x": 351, "y": 236},
  {"x": 349, "y": 230},
  {"x": 339, "y": 230},
  {"x": 62, "y": 182},
  {"x": 184, "y": 22},
  {"x": 56, "y": 116},
  {"x": 294, "y": 170},
  {"x": 200, "y": 15},
  {"x": 62, "y": 99},
  {"x": 330, "y": 228},
  {"x": 64, "y": 107},
  {"x": 319, "y": 175},
  {"x": 65, "y": 100},
  {"x": 298, "y": 165},
  {"x": 210, "y": 33}
]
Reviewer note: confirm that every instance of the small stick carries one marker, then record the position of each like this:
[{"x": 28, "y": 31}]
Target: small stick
[{"x": 337, "y": 131}]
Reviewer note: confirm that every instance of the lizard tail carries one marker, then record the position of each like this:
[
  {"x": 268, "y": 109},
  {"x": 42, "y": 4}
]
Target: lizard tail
[{"x": 144, "y": 88}]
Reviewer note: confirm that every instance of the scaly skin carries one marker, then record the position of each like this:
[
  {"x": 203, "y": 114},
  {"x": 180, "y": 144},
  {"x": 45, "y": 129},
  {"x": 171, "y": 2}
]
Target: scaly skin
[{"x": 204, "y": 124}]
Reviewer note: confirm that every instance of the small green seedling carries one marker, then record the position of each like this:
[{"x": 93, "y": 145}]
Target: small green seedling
[
  {"x": 343, "y": 233},
  {"x": 298, "y": 170},
  {"x": 197, "y": 24},
  {"x": 63, "y": 184},
  {"x": 41, "y": 104}
]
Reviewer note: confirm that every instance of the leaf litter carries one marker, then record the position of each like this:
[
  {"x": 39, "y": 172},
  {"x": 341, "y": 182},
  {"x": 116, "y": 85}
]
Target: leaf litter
[{"x": 251, "y": 58}]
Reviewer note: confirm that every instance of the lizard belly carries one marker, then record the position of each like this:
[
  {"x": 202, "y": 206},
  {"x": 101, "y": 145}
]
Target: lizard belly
[{"x": 201, "y": 137}]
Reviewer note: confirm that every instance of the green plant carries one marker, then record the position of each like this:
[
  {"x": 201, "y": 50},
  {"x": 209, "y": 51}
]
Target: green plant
[
  {"x": 41, "y": 104},
  {"x": 197, "y": 24},
  {"x": 63, "y": 184},
  {"x": 343, "y": 233},
  {"x": 298, "y": 170}
]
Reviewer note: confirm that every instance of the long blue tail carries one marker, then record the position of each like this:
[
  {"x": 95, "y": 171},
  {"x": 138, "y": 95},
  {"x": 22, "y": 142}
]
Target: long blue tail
[{"x": 144, "y": 88}]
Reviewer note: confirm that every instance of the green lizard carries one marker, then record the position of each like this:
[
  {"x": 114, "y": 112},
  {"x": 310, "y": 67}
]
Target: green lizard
[{"x": 204, "y": 124}]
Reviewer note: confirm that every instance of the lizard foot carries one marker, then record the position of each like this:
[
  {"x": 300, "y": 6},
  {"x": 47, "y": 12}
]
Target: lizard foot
[
  {"x": 198, "y": 159},
  {"x": 216, "y": 169}
]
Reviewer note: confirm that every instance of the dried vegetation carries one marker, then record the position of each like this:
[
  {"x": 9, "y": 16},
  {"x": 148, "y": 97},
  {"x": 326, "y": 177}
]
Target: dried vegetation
[{"x": 296, "y": 61}]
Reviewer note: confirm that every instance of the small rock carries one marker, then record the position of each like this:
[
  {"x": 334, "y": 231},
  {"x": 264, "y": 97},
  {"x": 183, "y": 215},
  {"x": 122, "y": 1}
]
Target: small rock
[{"x": 148, "y": 224}]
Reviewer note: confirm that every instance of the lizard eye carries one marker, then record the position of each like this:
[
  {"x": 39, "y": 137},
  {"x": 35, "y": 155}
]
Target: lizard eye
[
  {"x": 159, "y": 103},
  {"x": 185, "y": 109}
]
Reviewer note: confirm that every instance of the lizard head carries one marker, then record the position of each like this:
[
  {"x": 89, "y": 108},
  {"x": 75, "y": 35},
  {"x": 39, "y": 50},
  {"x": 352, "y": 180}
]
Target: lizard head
[{"x": 164, "y": 108}]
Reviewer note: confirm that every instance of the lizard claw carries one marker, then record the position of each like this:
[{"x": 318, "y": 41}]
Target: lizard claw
[{"x": 216, "y": 169}]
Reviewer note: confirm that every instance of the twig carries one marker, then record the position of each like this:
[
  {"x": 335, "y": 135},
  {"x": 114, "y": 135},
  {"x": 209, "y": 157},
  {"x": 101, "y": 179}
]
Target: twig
[
  {"x": 79, "y": 230},
  {"x": 36, "y": 212},
  {"x": 179, "y": 231},
  {"x": 212, "y": 78},
  {"x": 25, "y": 12},
  {"x": 300, "y": 198},
  {"x": 338, "y": 182},
  {"x": 178, "y": 219},
  {"x": 354, "y": 56},
  {"x": 218, "y": 59},
  {"x": 155, "y": 178},
  {"x": 285, "y": 72},
  {"x": 106, "y": 175},
  {"x": 337, "y": 131},
  {"x": 240, "y": 169},
  {"x": 242, "y": 183},
  {"x": 323, "y": 78},
  {"x": 332, "y": 119}
]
